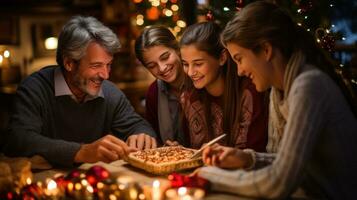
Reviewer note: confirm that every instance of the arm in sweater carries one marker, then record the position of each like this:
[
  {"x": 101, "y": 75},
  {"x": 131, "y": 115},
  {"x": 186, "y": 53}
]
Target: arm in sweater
[
  {"x": 126, "y": 121},
  {"x": 25, "y": 136},
  {"x": 308, "y": 102}
]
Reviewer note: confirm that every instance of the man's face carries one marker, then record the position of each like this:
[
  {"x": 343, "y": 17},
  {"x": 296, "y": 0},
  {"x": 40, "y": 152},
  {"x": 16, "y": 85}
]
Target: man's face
[{"x": 88, "y": 74}]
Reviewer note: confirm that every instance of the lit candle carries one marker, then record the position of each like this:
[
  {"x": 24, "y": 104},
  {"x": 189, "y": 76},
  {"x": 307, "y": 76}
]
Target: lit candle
[
  {"x": 156, "y": 194},
  {"x": 184, "y": 193},
  {"x": 51, "y": 190},
  {"x": 28, "y": 181}
]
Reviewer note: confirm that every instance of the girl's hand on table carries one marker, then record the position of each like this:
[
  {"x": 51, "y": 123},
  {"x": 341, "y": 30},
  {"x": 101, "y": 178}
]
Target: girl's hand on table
[{"x": 226, "y": 157}]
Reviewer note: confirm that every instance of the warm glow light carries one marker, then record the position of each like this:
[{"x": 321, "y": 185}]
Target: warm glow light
[
  {"x": 174, "y": 7},
  {"x": 156, "y": 194},
  {"x": 121, "y": 186},
  {"x": 6, "y": 53},
  {"x": 28, "y": 181},
  {"x": 112, "y": 197},
  {"x": 100, "y": 185},
  {"x": 177, "y": 29},
  {"x": 138, "y": 1},
  {"x": 168, "y": 13},
  {"x": 139, "y": 22},
  {"x": 1, "y": 59},
  {"x": 70, "y": 186},
  {"x": 133, "y": 193},
  {"x": 141, "y": 196},
  {"x": 327, "y": 31},
  {"x": 181, "y": 23},
  {"x": 164, "y": 1},
  {"x": 51, "y": 43},
  {"x": 140, "y": 17},
  {"x": 155, "y": 3},
  {"x": 90, "y": 189},
  {"x": 84, "y": 182},
  {"x": 182, "y": 191},
  {"x": 51, "y": 185},
  {"x": 299, "y": 24},
  {"x": 78, "y": 186}
]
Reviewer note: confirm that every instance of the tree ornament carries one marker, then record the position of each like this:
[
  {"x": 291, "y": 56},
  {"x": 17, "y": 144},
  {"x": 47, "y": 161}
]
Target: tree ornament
[
  {"x": 96, "y": 174},
  {"x": 209, "y": 16}
]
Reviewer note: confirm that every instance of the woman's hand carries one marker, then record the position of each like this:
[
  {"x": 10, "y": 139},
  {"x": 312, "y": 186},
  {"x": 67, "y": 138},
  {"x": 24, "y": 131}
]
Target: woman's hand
[{"x": 226, "y": 157}]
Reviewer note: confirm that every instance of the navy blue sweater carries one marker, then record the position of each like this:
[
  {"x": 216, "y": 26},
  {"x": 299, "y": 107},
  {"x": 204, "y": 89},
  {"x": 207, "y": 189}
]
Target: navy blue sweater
[{"x": 53, "y": 127}]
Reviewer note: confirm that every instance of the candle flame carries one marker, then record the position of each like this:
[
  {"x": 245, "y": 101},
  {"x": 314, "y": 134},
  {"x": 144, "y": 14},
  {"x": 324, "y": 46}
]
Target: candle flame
[
  {"x": 51, "y": 185},
  {"x": 182, "y": 191},
  {"x": 156, "y": 184},
  {"x": 28, "y": 181}
]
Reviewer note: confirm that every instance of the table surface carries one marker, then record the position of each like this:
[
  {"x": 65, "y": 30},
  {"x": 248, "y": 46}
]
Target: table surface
[{"x": 121, "y": 168}]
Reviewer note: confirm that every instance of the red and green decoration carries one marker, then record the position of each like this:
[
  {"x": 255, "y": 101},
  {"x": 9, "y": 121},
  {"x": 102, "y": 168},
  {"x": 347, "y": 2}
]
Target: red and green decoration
[
  {"x": 163, "y": 12},
  {"x": 313, "y": 15}
]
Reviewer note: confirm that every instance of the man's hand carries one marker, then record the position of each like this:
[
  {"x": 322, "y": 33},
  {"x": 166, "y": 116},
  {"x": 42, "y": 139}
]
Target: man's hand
[
  {"x": 226, "y": 157},
  {"x": 141, "y": 141},
  {"x": 107, "y": 149}
]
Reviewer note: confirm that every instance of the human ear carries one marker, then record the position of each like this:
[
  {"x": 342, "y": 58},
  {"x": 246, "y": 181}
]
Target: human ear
[
  {"x": 267, "y": 51},
  {"x": 223, "y": 57},
  {"x": 68, "y": 64}
]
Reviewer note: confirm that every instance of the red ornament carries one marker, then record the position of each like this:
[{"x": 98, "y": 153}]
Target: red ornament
[
  {"x": 178, "y": 180},
  {"x": 96, "y": 174},
  {"x": 209, "y": 16}
]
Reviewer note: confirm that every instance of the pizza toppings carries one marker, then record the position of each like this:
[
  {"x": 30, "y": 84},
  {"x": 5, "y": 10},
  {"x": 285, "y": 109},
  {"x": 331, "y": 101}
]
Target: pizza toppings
[{"x": 164, "y": 155}]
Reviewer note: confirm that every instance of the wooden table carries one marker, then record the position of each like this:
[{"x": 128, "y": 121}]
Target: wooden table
[{"x": 120, "y": 167}]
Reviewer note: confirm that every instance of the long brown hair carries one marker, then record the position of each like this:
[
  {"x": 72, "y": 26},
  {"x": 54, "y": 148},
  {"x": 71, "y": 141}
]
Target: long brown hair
[
  {"x": 205, "y": 36},
  {"x": 262, "y": 21},
  {"x": 154, "y": 36}
]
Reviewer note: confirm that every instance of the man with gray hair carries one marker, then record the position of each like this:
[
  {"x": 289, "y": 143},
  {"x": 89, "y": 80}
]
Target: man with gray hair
[{"x": 70, "y": 113}]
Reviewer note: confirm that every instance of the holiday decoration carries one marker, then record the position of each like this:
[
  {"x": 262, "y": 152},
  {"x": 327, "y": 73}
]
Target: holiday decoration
[
  {"x": 163, "y": 12},
  {"x": 179, "y": 180}
]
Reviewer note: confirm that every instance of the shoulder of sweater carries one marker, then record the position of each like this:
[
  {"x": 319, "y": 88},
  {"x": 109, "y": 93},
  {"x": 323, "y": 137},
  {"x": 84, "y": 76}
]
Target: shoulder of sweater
[
  {"x": 40, "y": 79},
  {"x": 313, "y": 83},
  {"x": 110, "y": 90}
]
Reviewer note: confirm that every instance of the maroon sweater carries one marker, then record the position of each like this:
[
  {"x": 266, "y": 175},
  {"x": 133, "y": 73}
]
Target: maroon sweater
[{"x": 250, "y": 132}]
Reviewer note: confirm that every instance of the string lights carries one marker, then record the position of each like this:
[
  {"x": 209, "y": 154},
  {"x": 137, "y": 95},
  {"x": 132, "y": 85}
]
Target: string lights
[{"x": 164, "y": 12}]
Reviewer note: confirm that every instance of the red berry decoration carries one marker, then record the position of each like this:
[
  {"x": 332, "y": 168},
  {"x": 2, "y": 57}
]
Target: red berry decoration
[
  {"x": 178, "y": 180},
  {"x": 96, "y": 174}
]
